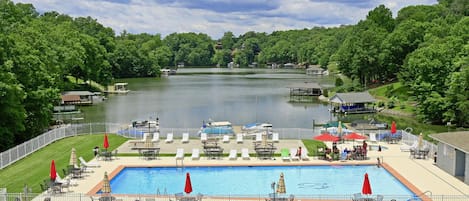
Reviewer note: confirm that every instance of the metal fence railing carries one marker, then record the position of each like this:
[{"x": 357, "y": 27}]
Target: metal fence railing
[{"x": 22, "y": 150}]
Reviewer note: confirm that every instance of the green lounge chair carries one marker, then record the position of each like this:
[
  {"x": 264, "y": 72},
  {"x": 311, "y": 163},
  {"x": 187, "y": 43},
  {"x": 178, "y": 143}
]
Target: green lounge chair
[{"x": 285, "y": 154}]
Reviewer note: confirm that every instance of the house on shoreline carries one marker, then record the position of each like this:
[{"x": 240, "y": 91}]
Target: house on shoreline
[{"x": 352, "y": 103}]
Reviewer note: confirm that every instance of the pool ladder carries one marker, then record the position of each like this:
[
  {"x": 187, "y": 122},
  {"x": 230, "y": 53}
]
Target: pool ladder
[{"x": 182, "y": 162}]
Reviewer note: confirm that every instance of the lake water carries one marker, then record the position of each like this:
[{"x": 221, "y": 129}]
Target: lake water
[{"x": 190, "y": 97}]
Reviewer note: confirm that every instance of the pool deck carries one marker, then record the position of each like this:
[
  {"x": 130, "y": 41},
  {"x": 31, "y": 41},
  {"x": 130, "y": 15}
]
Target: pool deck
[{"x": 421, "y": 173}]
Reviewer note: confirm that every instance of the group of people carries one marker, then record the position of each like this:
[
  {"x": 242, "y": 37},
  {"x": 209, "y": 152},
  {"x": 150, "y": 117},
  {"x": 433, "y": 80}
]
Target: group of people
[{"x": 346, "y": 154}]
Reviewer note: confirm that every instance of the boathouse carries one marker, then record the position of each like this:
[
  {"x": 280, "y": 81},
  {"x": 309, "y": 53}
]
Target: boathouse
[
  {"x": 453, "y": 153},
  {"x": 77, "y": 98},
  {"x": 352, "y": 103},
  {"x": 315, "y": 70},
  {"x": 299, "y": 91}
]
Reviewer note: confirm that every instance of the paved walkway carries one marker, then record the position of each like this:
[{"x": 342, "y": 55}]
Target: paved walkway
[{"x": 423, "y": 174}]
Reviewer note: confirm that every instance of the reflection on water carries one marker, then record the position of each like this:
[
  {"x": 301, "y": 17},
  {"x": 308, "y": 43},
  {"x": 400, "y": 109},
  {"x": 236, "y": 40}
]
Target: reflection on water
[{"x": 185, "y": 100}]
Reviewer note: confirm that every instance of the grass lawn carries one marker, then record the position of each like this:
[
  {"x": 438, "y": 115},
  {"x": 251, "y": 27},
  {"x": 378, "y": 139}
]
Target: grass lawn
[
  {"x": 312, "y": 146},
  {"x": 34, "y": 169}
]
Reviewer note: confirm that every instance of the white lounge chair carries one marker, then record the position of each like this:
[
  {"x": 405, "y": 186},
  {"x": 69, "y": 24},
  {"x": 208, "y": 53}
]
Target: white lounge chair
[
  {"x": 304, "y": 154},
  {"x": 245, "y": 154},
  {"x": 258, "y": 137},
  {"x": 406, "y": 147},
  {"x": 179, "y": 154},
  {"x": 64, "y": 183},
  {"x": 226, "y": 139},
  {"x": 239, "y": 138},
  {"x": 233, "y": 154},
  {"x": 203, "y": 137},
  {"x": 185, "y": 138},
  {"x": 373, "y": 138},
  {"x": 87, "y": 164},
  {"x": 195, "y": 154},
  {"x": 275, "y": 137},
  {"x": 169, "y": 138},
  {"x": 156, "y": 137},
  {"x": 144, "y": 137},
  {"x": 293, "y": 154}
]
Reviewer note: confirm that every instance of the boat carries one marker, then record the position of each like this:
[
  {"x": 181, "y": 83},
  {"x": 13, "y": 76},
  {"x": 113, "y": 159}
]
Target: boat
[
  {"x": 144, "y": 126},
  {"x": 167, "y": 72},
  {"x": 118, "y": 88},
  {"x": 257, "y": 127},
  {"x": 216, "y": 128}
]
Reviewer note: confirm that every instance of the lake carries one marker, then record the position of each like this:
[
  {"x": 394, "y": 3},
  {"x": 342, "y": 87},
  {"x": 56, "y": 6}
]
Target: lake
[{"x": 240, "y": 96}]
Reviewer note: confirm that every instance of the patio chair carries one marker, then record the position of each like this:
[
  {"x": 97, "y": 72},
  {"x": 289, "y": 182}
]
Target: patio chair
[
  {"x": 304, "y": 155},
  {"x": 169, "y": 138},
  {"x": 379, "y": 198},
  {"x": 65, "y": 183},
  {"x": 195, "y": 154},
  {"x": 357, "y": 197},
  {"x": 144, "y": 137},
  {"x": 226, "y": 139},
  {"x": 179, "y": 154},
  {"x": 258, "y": 137},
  {"x": 239, "y": 138},
  {"x": 373, "y": 138},
  {"x": 275, "y": 137},
  {"x": 88, "y": 164},
  {"x": 294, "y": 156},
  {"x": 233, "y": 154},
  {"x": 156, "y": 137},
  {"x": 285, "y": 154},
  {"x": 203, "y": 137},
  {"x": 406, "y": 147},
  {"x": 185, "y": 138},
  {"x": 245, "y": 154},
  {"x": 199, "y": 197}
]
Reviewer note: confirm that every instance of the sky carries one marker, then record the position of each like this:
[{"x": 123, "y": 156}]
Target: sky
[{"x": 215, "y": 17}]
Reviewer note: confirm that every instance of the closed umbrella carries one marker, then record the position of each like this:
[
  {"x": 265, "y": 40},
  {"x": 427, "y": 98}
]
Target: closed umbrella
[
  {"x": 73, "y": 158},
  {"x": 393, "y": 127},
  {"x": 420, "y": 142},
  {"x": 106, "y": 188},
  {"x": 281, "y": 185},
  {"x": 53, "y": 172},
  {"x": 106, "y": 142},
  {"x": 366, "y": 189},
  {"x": 188, "y": 186}
]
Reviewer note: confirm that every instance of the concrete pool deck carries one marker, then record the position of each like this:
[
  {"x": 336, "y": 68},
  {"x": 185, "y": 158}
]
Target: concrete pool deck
[{"x": 422, "y": 173}]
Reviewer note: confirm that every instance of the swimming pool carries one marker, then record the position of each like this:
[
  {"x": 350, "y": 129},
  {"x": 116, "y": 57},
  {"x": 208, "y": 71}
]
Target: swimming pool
[{"x": 257, "y": 180}]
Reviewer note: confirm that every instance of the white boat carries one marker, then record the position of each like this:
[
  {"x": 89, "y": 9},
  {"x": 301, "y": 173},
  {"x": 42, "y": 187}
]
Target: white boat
[
  {"x": 257, "y": 127},
  {"x": 118, "y": 88},
  {"x": 216, "y": 127}
]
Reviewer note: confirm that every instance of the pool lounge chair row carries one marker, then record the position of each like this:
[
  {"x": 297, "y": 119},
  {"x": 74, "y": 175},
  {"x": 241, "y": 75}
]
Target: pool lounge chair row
[
  {"x": 240, "y": 138},
  {"x": 233, "y": 154}
]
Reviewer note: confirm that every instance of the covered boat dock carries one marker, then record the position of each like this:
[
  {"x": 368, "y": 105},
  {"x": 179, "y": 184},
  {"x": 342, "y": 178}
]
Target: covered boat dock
[
  {"x": 299, "y": 91},
  {"x": 352, "y": 103}
]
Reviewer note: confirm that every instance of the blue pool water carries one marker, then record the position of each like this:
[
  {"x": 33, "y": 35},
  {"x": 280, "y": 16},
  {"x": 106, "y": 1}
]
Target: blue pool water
[
  {"x": 218, "y": 130},
  {"x": 299, "y": 180}
]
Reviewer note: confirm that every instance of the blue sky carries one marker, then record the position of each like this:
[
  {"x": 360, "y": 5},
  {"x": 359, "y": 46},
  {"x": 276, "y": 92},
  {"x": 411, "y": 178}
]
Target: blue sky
[{"x": 214, "y": 17}]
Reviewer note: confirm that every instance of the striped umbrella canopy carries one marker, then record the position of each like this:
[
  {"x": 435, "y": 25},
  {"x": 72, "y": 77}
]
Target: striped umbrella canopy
[
  {"x": 281, "y": 185},
  {"x": 106, "y": 188}
]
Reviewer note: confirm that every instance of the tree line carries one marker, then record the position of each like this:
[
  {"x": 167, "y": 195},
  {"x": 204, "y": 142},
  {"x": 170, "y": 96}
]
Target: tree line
[{"x": 425, "y": 47}]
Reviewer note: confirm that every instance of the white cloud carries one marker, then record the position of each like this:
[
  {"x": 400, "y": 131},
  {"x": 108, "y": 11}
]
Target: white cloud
[{"x": 211, "y": 16}]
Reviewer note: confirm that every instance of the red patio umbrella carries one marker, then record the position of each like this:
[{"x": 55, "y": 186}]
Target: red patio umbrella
[
  {"x": 188, "y": 187},
  {"x": 106, "y": 142},
  {"x": 366, "y": 189},
  {"x": 393, "y": 127},
  {"x": 354, "y": 136},
  {"x": 53, "y": 172},
  {"x": 326, "y": 137}
]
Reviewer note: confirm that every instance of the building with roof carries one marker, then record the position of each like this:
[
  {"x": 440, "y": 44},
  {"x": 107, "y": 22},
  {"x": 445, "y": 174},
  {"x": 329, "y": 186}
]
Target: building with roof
[
  {"x": 315, "y": 70},
  {"x": 453, "y": 153},
  {"x": 352, "y": 103},
  {"x": 80, "y": 98}
]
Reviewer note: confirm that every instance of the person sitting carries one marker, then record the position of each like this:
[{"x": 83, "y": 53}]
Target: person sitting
[{"x": 298, "y": 153}]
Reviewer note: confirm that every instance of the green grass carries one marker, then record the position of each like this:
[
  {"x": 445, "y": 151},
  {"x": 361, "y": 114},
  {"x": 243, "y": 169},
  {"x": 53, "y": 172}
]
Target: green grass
[
  {"x": 312, "y": 146},
  {"x": 34, "y": 169},
  {"x": 93, "y": 83}
]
